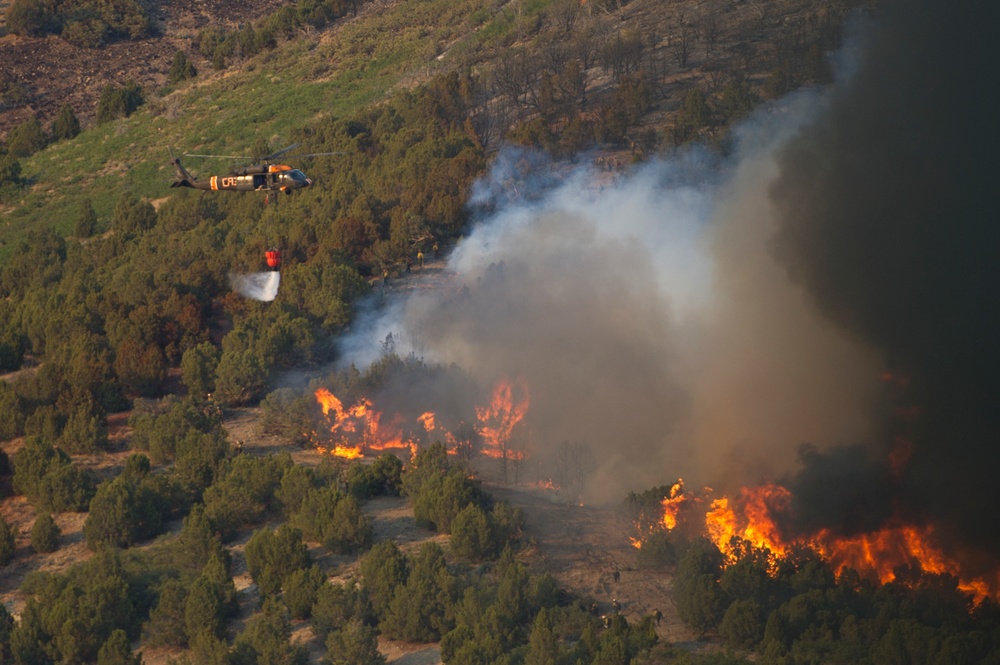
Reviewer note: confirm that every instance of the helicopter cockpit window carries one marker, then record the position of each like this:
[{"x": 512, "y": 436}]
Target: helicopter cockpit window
[{"x": 298, "y": 176}]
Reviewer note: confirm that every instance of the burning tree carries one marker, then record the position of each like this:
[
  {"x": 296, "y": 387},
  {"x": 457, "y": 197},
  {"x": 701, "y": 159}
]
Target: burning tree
[{"x": 497, "y": 423}]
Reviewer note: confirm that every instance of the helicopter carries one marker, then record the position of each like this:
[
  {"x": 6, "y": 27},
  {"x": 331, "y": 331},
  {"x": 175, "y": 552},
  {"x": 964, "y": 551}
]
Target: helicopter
[{"x": 261, "y": 177}]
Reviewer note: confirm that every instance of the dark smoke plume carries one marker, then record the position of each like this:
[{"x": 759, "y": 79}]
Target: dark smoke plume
[{"x": 887, "y": 213}]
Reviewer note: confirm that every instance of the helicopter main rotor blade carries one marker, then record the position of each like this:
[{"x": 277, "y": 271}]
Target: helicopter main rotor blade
[
  {"x": 318, "y": 154},
  {"x": 219, "y": 156},
  {"x": 275, "y": 155}
]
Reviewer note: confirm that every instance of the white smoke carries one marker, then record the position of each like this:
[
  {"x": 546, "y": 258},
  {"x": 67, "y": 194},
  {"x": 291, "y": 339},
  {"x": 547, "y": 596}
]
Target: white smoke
[
  {"x": 261, "y": 286},
  {"x": 646, "y": 313}
]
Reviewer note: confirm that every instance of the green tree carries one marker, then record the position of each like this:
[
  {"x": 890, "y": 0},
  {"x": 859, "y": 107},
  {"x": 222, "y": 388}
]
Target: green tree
[
  {"x": 301, "y": 588},
  {"x": 335, "y": 519},
  {"x": 26, "y": 138},
  {"x": 116, "y": 650},
  {"x": 204, "y": 610},
  {"x": 198, "y": 369},
  {"x": 85, "y": 430},
  {"x": 266, "y": 640},
  {"x": 11, "y": 413},
  {"x": 86, "y": 222},
  {"x": 166, "y": 625},
  {"x": 742, "y": 625},
  {"x": 6, "y": 629},
  {"x": 471, "y": 535},
  {"x": 241, "y": 376},
  {"x": 244, "y": 491},
  {"x": 697, "y": 592},
  {"x": 383, "y": 570},
  {"x": 181, "y": 68},
  {"x": 336, "y": 604},
  {"x": 273, "y": 555},
  {"x": 7, "y": 546},
  {"x": 44, "y": 534},
  {"x": 132, "y": 215},
  {"x": 118, "y": 102},
  {"x": 32, "y": 18},
  {"x": 354, "y": 644},
  {"x": 47, "y": 476},
  {"x": 66, "y": 125},
  {"x": 543, "y": 647},
  {"x": 421, "y": 609}
]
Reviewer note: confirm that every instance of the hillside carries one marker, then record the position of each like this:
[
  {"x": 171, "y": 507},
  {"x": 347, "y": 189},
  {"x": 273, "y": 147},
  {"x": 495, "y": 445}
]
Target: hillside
[
  {"x": 532, "y": 276},
  {"x": 354, "y": 62}
]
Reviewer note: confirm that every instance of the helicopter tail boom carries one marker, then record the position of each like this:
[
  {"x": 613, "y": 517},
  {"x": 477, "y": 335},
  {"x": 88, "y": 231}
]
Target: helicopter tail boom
[{"x": 184, "y": 178}]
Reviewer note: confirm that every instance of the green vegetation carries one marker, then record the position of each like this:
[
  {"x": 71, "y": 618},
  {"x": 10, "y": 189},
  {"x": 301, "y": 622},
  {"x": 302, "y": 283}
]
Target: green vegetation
[
  {"x": 6, "y": 542},
  {"x": 44, "y": 534},
  {"x": 84, "y": 23},
  {"x": 111, "y": 282}
]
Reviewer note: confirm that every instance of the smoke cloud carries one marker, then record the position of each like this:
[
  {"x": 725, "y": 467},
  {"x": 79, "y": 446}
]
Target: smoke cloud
[
  {"x": 886, "y": 215},
  {"x": 647, "y": 317},
  {"x": 261, "y": 286}
]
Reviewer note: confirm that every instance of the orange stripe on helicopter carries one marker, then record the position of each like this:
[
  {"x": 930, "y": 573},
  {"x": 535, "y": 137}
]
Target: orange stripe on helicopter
[{"x": 214, "y": 182}]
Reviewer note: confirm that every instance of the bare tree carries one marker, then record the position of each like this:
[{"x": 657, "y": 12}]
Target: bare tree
[
  {"x": 574, "y": 462},
  {"x": 622, "y": 54},
  {"x": 681, "y": 41},
  {"x": 710, "y": 31},
  {"x": 565, "y": 14}
]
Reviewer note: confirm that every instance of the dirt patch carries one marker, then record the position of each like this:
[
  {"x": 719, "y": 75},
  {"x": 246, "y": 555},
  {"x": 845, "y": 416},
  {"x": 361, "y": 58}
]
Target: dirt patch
[{"x": 581, "y": 546}]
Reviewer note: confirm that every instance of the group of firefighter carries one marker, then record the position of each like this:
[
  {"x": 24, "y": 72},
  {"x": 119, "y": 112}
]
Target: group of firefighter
[{"x": 616, "y": 607}]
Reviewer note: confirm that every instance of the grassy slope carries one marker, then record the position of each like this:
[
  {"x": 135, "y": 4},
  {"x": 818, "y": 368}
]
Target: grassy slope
[{"x": 346, "y": 68}]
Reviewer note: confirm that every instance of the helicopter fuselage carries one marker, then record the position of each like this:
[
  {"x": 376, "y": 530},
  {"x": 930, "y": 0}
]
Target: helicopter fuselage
[{"x": 258, "y": 177}]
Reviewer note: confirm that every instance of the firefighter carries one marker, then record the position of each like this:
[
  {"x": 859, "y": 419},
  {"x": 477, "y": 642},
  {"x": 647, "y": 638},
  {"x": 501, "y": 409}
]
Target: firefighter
[
  {"x": 420, "y": 259},
  {"x": 616, "y": 574},
  {"x": 657, "y": 614},
  {"x": 616, "y": 606}
]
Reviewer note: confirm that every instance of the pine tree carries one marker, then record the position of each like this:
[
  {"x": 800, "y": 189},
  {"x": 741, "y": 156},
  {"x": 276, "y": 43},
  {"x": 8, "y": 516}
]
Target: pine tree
[
  {"x": 44, "y": 534},
  {"x": 86, "y": 223},
  {"x": 66, "y": 125}
]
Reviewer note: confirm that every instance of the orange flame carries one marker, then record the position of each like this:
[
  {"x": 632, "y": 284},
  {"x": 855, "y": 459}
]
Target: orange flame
[
  {"x": 878, "y": 553},
  {"x": 427, "y": 420},
  {"x": 345, "y": 452},
  {"x": 672, "y": 504},
  {"x": 498, "y": 420}
]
